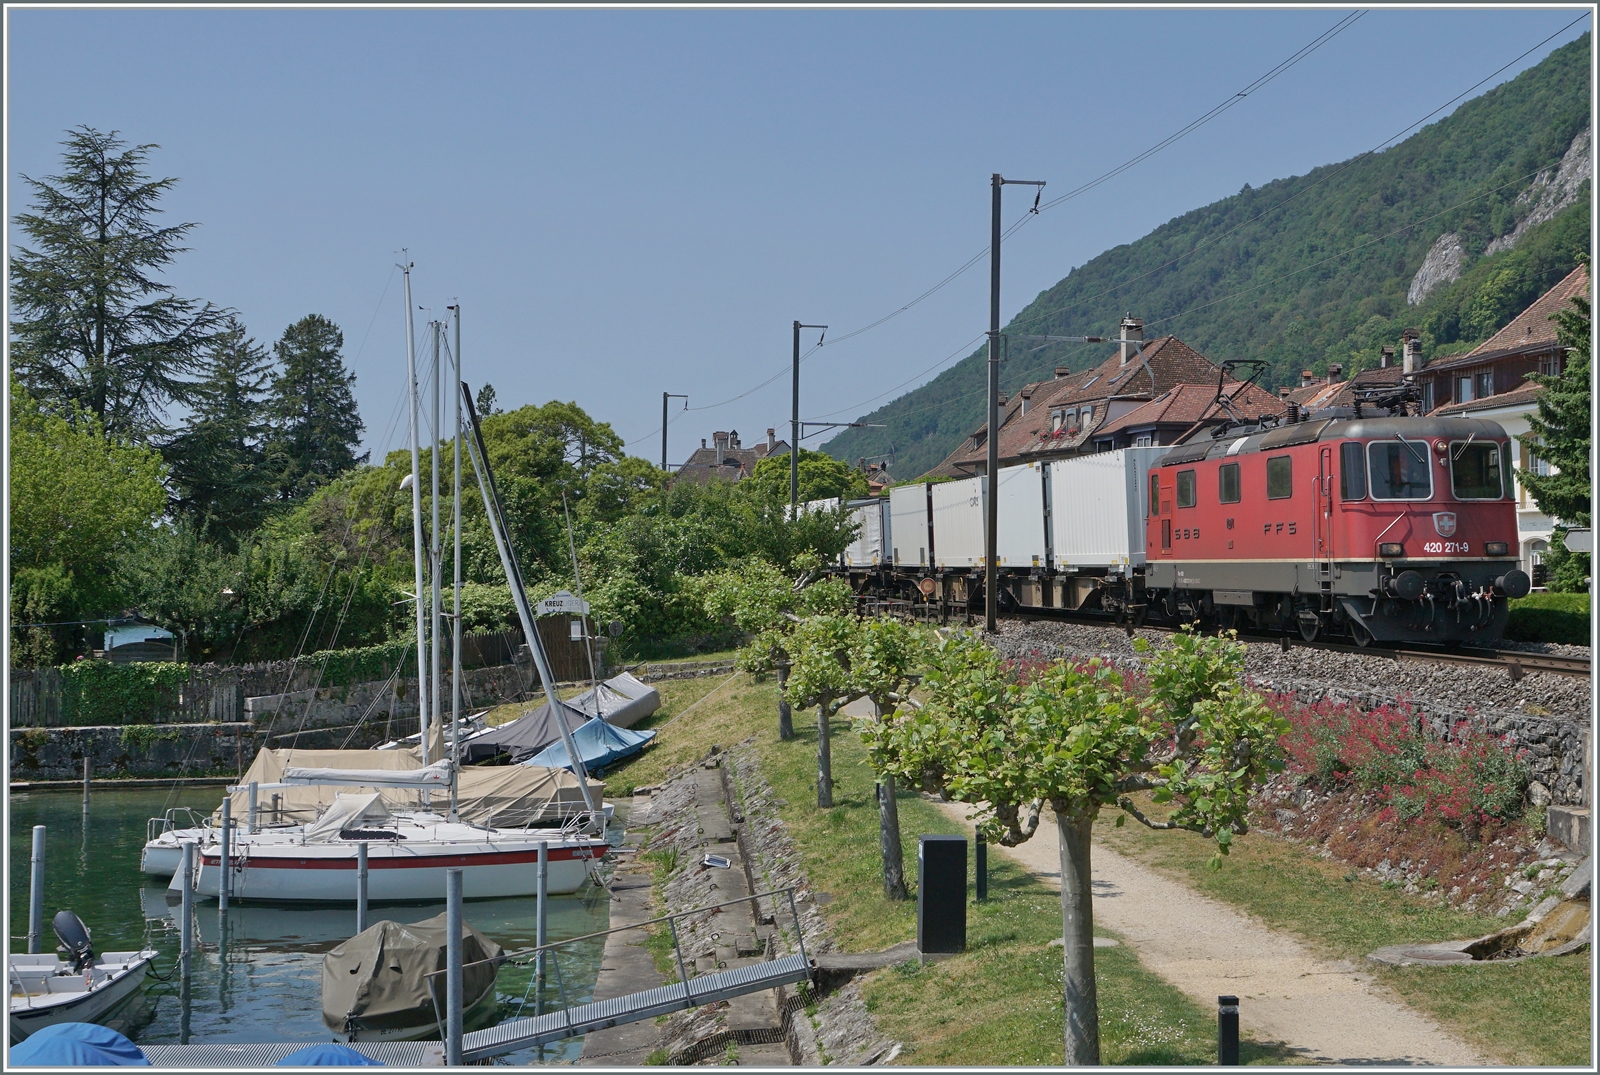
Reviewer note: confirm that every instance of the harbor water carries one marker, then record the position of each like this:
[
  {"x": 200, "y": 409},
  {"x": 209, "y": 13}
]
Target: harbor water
[{"x": 257, "y": 974}]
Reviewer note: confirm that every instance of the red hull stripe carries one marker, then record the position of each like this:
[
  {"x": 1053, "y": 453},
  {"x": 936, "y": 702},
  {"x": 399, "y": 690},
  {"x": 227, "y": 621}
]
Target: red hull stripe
[{"x": 496, "y": 858}]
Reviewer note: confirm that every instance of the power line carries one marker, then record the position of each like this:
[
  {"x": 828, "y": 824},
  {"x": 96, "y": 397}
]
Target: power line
[
  {"x": 1302, "y": 53},
  {"x": 1309, "y": 186},
  {"x": 1025, "y": 321}
]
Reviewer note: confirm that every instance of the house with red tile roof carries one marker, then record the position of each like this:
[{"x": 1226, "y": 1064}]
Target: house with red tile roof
[
  {"x": 1490, "y": 381},
  {"x": 1070, "y": 413},
  {"x": 727, "y": 459}
]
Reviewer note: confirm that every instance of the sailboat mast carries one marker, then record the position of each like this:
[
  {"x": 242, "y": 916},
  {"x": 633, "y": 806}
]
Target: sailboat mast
[
  {"x": 416, "y": 523},
  {"x": 435, "y": 549},
  {"x": 455, "y": 602}
]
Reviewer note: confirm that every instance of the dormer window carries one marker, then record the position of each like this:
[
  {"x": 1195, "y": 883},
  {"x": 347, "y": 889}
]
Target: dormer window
[
  {"x": 1058, "y": 418},
  {"x": 979, "y": 439}
]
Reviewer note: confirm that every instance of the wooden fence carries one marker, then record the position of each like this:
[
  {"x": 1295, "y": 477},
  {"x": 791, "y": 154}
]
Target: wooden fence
[{"x": 217, "y": 692}]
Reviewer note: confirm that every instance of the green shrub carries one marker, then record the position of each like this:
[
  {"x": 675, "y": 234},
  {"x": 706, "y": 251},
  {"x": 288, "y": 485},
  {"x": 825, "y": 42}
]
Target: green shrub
[
  {"x": 1550, "y": 617},
  {"x": 100, "y": 692}
]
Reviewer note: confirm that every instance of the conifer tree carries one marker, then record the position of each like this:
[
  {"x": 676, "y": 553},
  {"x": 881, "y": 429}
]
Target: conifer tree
[
  {"x": 1561, "y": 432},
  {"x": 218, "y": 463},
  {"x": 312, "y": 410},
  {"x": 94, "y": 331}
]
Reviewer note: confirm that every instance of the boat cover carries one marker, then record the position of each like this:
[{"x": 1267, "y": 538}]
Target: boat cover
[
  {"x": 77, "y": 1045},
  {"x": 349, "y": 812},
  {"x": 599, "y": 745},
  {"x": 622, "y": 700},
  {"x": 436, "y": 775},
  {"x": 379, "y": 977},
  {"x": 509, "y": 796},
  {"x": 327, "y": 1054}
]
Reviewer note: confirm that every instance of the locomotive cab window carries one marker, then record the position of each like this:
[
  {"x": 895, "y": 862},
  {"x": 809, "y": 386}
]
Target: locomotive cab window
[
  {"x": 1399, "y": 470},
  {"x": 1155, "y": 494},
  {"x": 1280, "y": 477},
  {"x": 1228, "y": 483},
  {"x": 1185, "y": 488},
  {"x": 1352, "y": 471},
  {"x": 1475, "y": 472}
]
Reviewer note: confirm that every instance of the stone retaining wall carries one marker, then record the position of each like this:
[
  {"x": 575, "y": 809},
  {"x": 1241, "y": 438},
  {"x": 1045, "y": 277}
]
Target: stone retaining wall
[{"x": 147, "y": 750}]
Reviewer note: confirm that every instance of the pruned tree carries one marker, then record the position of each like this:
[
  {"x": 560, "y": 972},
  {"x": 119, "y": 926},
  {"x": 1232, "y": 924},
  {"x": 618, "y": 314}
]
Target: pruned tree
[
  {"x": 885, "y": 661},
  {"x": 1073, "y": 736},
  {"x": 761, "y": 601},
  {"x": 819, "y": 675},
  {"x": 94, "y": 331},
  {"x": 313, "y": 410}
]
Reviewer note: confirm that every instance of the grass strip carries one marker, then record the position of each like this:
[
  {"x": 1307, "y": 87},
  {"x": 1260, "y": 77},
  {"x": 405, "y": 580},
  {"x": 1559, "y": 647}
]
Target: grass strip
[
  {"x": 1000, "y": 1001},
  {"x": 1535, "y": 1012}
]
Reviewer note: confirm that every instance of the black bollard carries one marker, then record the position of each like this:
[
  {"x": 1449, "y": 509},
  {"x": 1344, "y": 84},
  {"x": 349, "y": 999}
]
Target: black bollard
[
  {"x": 1228, "y": 1031},
  {"x": 980, "y": 859}
]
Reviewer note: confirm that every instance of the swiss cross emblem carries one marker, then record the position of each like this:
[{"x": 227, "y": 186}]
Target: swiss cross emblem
[{"x": 1444, "y": 522}]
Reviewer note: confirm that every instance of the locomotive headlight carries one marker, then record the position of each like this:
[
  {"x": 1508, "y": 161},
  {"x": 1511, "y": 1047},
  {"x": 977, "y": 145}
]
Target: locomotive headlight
[
  {"x": 1496, "y": 548},
  {"x": 1391, "y": 548}
]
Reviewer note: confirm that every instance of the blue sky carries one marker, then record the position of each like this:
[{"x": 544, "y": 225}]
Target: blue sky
[{"x": 632, "y": 202}]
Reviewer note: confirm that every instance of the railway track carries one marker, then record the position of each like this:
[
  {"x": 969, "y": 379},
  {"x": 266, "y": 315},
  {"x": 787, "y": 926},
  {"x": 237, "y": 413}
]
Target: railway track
[{"x": 1515, "y": 663}]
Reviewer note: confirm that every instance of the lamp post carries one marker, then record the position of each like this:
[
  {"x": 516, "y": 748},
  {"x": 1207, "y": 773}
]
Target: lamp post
[
  {"x": 794, "y": 423},
  {"x": 992, "y": 468},
  {"x": 664, "y": 397}
]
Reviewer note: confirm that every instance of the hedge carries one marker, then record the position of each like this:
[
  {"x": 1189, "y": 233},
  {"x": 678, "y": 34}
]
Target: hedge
[{"x": 1550, "y": 617}]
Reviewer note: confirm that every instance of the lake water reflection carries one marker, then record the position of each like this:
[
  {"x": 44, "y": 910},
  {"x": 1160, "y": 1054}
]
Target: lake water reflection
[{"x": 258, "y": 974}]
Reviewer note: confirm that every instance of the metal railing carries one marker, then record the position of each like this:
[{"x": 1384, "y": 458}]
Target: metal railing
[{"x": 573, "y": 1021}]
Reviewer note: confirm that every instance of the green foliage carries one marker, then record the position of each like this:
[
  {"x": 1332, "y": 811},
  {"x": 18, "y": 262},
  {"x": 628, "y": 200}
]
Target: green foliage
[
  {"x": 1076, "y": 736},
  {"x": 1566, "y": 571},
  {"x": 1300, "y": 283},
  {"x": 1562, "y": 430},
  {"x": 1550, "y": 617},
  {"x": 139, "y": 737},
  {"x": 78, "y": 499},
  {"x": 316, "y": 427},
  {"x": 821, "y": 477},
  {"x": 218, "y": 467},
  {"x": 94, "y": 329},
  {"x": 99, "y": 692}
]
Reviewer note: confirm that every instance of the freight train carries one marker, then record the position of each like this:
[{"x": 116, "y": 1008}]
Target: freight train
[{"x": 1387, "y": 528}]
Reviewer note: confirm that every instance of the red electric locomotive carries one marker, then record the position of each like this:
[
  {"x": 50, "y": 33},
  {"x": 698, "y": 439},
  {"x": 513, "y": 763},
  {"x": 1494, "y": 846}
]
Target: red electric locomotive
[{"x": 1394, "y": 529}]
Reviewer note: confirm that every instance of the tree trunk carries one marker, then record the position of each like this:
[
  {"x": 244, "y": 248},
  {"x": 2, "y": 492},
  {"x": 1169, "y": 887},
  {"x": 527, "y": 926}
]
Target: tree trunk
[
  {"x": 824, "y": 759},
  {"x": 785, "y": 718},
  {"x": 1077, "y": 935},
  {"x": 894, "y": 867}
]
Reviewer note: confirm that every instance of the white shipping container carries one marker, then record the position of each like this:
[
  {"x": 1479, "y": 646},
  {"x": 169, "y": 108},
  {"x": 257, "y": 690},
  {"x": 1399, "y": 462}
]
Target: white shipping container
[
  {"x": 1097, "y": 506},
  {"x": 1019, "y": 506},
  {"x": 868, "y": 548},
  {"x": 910, "y": 533},
  {"x": 958, "y": 513}
]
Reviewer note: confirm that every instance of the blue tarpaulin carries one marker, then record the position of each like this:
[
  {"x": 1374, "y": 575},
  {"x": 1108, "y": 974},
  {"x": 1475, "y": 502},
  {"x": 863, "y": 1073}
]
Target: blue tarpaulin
[
  {"x": 599, "y": 744},
  {"x": 77, "y": 1045},
  {"x": 327, "y": 1054}
]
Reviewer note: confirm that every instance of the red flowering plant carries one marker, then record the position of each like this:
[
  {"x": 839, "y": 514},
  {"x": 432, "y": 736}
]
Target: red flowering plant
[{"x": 1464, "y": 780}]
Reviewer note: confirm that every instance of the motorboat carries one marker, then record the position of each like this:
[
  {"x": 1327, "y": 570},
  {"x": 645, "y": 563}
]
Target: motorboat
[
  {"x": 408, "y": 855},
  {"x": 387, "y": 982},
  {"x": 46, "y": 990}
]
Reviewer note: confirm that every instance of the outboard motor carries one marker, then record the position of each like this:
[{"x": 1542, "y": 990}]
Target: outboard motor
[{"x": 74, "y": 936}]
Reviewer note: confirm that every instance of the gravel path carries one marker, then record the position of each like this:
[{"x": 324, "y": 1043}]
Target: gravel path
[{"x": 1328, "y": 1012}]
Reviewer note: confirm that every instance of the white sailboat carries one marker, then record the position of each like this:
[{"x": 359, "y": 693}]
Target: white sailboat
[{"x": 410, "y": 845}]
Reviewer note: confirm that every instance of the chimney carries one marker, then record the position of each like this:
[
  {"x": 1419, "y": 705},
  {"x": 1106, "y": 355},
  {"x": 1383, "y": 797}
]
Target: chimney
[
  {"x": 1063, "y": 371},
  {"x": 1307, "y": 378},
  {"x": 1283, "y": 393},
  {"x": 1132, "y": 329},
  {"x": 720, "y": 439},
  {"x": 1411, "y": 351},
  {"x": 1001, "y": 400},
  {"x": 772, "y": 439},
  {"x": 702, "y": 443},
  {"x": 1026, "y": 394},
  {"x": 733, "y": 439},
  {"x": 1334, "y": 370},
  {"x": 1386, "y": 357}
]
